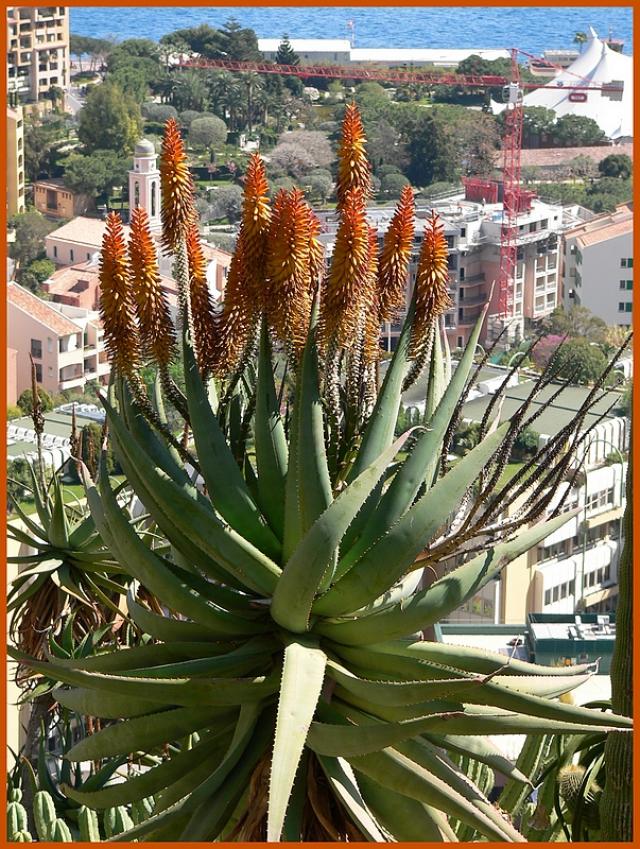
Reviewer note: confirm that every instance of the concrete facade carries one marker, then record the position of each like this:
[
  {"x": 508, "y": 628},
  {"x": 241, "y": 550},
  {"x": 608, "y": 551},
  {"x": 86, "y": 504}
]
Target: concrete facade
[
  {"x": 37, "y": 50},
  {"x": 66, "y": 343},
  {"x": 598, "y": 266},
  {"x": 472, "y": 231},
  {"x": 53, "y": 199},
  {"x": 15, "y": 161}
]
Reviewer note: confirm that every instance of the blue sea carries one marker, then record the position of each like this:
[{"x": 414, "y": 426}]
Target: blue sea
[{"x": 532, "y": 29}]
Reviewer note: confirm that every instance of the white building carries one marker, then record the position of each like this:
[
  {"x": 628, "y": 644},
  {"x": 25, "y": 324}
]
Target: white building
[
  {"x": 597, "y": 65},
  {"x": 598, "y": 266},
  {"x": 338, "y": 51}
]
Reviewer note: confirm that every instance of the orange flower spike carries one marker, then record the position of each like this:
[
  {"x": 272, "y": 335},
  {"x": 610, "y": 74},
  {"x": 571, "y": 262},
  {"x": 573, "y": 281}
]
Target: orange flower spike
[
  {"x": 178, "y": 210},
  {"x": 432, "y": 295},
  {"x": 395, "y": 257},
  {"x": 154, "y": 320},
  {"x": 354, "y": 170},
  {"x": 117, "y": 304},
  {"x": 234, "y": 324},
  {"x": 372, "y": 306},
  {"x": 201, "y": 306},
  {"x": 346, "y": 284},
  {"x": 256, "y": 217}
]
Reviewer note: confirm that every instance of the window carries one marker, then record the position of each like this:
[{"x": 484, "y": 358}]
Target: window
[
  {"x": 463, "y": 232},
  {"x": 71, "y": 255},
  {"x": 136, "y": 194},
  {"x": 626, "y": 262},
  {"x": 36, "y": 348},
  {"x": 38, "y": 372},
  {"x": 621, "y": 306},
  {"x": 50, "y": 344},
  {"x": 547, "y": 597},
  {"x": 55, "y": 251},
  {"x": 153, "y": 199},
  {"x": 88, "y": 255}
]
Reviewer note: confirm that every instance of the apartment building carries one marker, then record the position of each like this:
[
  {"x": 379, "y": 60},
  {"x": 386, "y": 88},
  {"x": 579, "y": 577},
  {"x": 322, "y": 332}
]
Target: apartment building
[
  {"x": 597, "y": 266},
  {"x": 15, "y": 161},
  {"x": 66, "y": 342},
  {"x": 473, "y": 229},
  {"x": 576, "y": 568},
  {"x": 37, "y": 50}
]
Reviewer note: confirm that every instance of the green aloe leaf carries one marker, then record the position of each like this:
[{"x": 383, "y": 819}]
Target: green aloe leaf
[
  {"x": 407, "y": 819},
  {"x": 225, "y": 484},
  {"x": 394, "y": 552},
  {"x": 141, "y": 735},
  {"x": 314, "y": 554},
  {"x": 446, "y": 594},
  {"x": 308, "y": 486},
  {"x": 302, "y": 678},
  {"x": 378, "y": 434},
  {"x": 420, "y": 464},
  {"x": 59, "y": 526},
  {"x": 480, "y": 749},
  {"x": 88, "y": 702},
  {"x": 345, "y": 785},
  {"x": 271, "y": 442}
]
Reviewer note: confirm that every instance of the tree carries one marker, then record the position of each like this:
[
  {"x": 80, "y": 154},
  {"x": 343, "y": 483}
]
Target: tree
[
  {"x": 19, "y": 481},
  {"x": 392, "y": 184},
  {"x": 537, "y": 124},
  {"x": 466, "y": 437},
  {"x": 525, "y": 446},
  {"x": 40, "y": 136},
  {"x": 188, "y": 116},
  {"x": 578, "y": 321},
  {"x": 285, "y": 54},
  {"x": 582, "y": 166},
  {"x": 159, "y": 112},
  {"x": 208, "y": 132},
  {"x": 579, "y": 361},
  {"x": 385, "y": 146},
  {"x": 39, "y": 270},
  {"x": 372, "y": 99},
  {"x": 203, "y": 39},
  {"x": 577, "y": 131},
  {"x": 25, "y": 401},
  {"x": 320, "y": 186},
  {"x": 109, "y": 120},
  {"x": 30, "y": 229},
  {"x": 291, "y": 159},
  {"x": 616, "y": 165},
  {"x": 314, "y": 142},
  {"x": 97, "y": 173},
  {"x": 239, "y": 43},
  {"x": 580, "y": 38},
  {"x": 545, "y": 349},
  {"x": 227, "y": 203}
]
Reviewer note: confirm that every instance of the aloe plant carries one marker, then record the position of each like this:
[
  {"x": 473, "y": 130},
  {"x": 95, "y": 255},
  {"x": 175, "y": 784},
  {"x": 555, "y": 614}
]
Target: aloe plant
[{"x": 286, "y": 670}]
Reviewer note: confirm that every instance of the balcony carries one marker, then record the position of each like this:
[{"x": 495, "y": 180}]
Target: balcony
[
  {"x": 473, "y": 301},
  {"x": 473, "y": 279}
]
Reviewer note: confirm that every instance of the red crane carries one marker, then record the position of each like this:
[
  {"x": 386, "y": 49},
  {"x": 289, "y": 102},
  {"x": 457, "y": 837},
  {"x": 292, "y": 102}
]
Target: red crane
[{"x": 514, "y": 200}]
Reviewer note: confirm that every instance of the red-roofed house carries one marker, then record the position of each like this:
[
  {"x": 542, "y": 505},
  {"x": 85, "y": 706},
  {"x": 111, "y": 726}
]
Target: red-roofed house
[{"x": 66, "y": 342}]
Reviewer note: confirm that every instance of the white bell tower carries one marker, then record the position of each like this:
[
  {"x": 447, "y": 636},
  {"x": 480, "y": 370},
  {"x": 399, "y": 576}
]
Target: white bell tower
[{"x": 144, "y": 183}]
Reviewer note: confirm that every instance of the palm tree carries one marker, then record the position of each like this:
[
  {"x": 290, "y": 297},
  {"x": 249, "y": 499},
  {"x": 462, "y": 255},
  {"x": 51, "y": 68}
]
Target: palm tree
[
  {"x": 580, "y": 38},
  {"x": 227, "y": 97}
]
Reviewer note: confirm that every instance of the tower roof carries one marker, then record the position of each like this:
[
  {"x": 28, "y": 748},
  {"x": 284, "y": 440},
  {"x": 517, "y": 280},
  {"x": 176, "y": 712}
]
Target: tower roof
[{"x": 145, "y": 148}]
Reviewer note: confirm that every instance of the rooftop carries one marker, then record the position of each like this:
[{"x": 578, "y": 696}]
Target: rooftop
[
  {"x": 605, "y": 226},
  {"x": 83, "y": 231},
  {"x": 39, "y": 310},
  {"x": 563, "y": 155},
  {"x": 555, "y": 417},
  {"x": 307, "y": 45}
]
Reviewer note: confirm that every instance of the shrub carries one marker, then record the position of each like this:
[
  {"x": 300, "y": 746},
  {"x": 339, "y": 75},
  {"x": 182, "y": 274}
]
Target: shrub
[{"x": 25, "y": 401}]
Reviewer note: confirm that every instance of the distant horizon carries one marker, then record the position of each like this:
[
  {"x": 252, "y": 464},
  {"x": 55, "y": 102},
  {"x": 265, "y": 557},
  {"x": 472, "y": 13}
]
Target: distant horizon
[{"x": 531, "y": 29}]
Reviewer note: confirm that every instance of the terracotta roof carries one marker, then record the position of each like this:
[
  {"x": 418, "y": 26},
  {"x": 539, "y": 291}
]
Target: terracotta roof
[
  {"x": 40, "y": 310},
  {"x": 563, "y": 155},
  {"x": 609, "y": 231},
  {"x": 83, "y": 231}
]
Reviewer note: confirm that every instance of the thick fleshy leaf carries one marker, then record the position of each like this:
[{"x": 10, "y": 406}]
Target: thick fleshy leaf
[
  {"x": 387, "y": 560},
  {"x": 419, "y": 465},
  {"x": 225, "y": 484},
  {"x": 270, "y": 440},
  {"x": 302, "y": 678},
  {"x": 307, "y": 567},
  {"x": 446, "y": 594},
  {"x": 341, "y": 777}
]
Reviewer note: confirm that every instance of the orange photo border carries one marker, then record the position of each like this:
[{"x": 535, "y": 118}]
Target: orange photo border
[{"x": 239, "y": 4}]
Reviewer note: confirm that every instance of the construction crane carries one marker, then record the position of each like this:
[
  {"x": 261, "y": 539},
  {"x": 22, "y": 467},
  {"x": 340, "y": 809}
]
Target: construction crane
[{"x": 514, "y": 199}]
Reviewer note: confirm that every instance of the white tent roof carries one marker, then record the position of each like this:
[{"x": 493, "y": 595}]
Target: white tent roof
[{"x": 598, "y": 64}]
